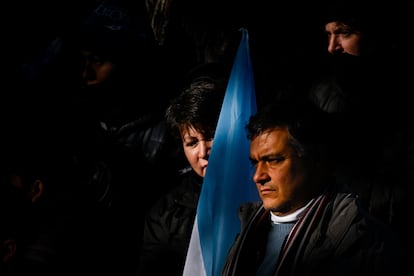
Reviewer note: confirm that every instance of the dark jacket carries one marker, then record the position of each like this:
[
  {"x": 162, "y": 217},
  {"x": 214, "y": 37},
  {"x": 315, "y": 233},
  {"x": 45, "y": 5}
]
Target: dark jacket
[
  {"x": 114, "y": 168},
  {"x": 372, "y": 116},
  {"x": 334, "y": 237},
  {"x": 168, "y": 228}
]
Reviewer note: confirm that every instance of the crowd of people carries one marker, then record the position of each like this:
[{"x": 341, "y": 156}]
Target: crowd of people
[{"x": 108, "y": 127}]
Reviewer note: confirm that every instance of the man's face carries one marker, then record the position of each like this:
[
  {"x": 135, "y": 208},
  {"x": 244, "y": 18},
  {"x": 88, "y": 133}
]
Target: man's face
[
  {"x": 95, "y": 68},
  {"x": 343, "y": 39},
  {"x": 280, "y": 175}
]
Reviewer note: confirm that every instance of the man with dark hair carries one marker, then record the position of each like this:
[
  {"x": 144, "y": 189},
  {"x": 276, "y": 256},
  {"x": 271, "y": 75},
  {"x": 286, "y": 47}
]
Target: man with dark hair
[
  {"x": 363, "y": 86},
  {"x": 306, "y": 223}
]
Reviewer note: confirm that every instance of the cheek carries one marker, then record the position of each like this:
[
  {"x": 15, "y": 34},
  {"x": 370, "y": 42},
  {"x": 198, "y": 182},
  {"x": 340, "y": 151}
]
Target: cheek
[
  {"x": 104, "y": 71},
  {"x": 352, "y": 47},
  {"x": 295, "y": 182},
  {"x": 285, "y": 180},
  {"x": 194, "y": 161},
  {"x": 191, "y": 156}
]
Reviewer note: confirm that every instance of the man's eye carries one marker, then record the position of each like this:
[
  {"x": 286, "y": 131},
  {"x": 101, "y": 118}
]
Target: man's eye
[
  {"x": 97, "y": 59},
  {"x": 274, "y": 161},
  {"x": 268, "y": 161},
  {"x": 345, "y": 33}
]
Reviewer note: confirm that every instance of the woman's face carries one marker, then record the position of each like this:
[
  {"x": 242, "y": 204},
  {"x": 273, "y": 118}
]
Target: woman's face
[
  {"x": 343, "y": 39},
  {"x": 197, "y": 149}
]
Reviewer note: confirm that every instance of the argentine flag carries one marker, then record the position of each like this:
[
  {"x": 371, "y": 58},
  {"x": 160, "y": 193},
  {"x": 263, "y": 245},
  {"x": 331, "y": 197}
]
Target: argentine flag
[{"x": 228, "y": 182}]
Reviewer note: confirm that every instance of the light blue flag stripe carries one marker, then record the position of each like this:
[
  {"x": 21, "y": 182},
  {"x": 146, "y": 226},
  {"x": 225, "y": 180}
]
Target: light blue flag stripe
[{"x": 228, "y": 182}]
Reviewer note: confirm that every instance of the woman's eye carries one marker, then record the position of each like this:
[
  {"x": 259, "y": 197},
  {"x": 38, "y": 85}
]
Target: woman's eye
[{"x": 191, "y": 143}]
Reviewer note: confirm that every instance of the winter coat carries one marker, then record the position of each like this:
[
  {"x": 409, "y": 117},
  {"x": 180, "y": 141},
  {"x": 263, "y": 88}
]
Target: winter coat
[
  {"x": 168, "y": 228},
  {"x": 334, "y": 237}
]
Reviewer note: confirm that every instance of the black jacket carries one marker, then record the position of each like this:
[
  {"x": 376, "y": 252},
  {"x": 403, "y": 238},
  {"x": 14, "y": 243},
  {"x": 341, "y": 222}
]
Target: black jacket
[
  {"x": 334, "y": 237},
  {"x": 168, "y": 228}
]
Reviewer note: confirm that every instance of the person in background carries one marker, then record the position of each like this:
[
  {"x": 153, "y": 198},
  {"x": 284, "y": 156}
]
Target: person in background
[
  {"x": 363, "y": 87},
  {"x": 123, "y": 133},
  {"x": 306, "y": 223},
  {"x": 346, "y": 35},
  {"x": 14, "y": 213},
  {"x": 121, "y": 103},
  {"x": 355, "y": 73},
  {"x": 192, "y": 116},
  {"x": 38, "y": 173}
]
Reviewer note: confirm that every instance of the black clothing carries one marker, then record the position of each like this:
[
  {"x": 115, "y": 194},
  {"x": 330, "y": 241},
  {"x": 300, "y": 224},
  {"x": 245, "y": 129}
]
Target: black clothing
[
  {"x": 168, "y": 228},
  {"x": 365, "y": 97},
  {"x": 333, "y": 237}
]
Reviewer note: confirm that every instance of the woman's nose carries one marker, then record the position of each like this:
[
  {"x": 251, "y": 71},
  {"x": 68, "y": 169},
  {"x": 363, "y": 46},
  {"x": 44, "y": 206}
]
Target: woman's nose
[{"x": 205, "y": 148}]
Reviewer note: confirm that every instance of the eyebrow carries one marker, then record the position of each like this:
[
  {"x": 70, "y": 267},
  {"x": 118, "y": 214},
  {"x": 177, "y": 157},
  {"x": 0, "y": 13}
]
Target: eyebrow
[
  {"x": 340, "y": 28},
  {"x": 269, "y": 156}
]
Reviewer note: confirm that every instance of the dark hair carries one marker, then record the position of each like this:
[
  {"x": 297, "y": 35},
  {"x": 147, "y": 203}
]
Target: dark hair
[
  {"x": 307, "y": 125},
  {"x": 199, "y": 103},
  {"x": 346, "y": 13},
  {"x": 366, "y": 16}
]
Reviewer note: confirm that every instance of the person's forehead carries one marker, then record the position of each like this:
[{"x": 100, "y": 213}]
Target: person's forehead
[
  {"x": 338, "y": 28},
  {"x": 337, "y": 25}
]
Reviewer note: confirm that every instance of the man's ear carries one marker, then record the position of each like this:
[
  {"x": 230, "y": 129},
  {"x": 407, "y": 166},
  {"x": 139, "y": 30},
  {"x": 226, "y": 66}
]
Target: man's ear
[
  {"x": 36, "y": 190},
  {"x": 8, "y": 250}
]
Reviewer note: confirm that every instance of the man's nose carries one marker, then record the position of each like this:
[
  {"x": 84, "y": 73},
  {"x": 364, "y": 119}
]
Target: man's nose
[
  {"x": 334, "y": 44},
  {"x": 88, "y": 73},
  {"x": 260, "y": 175}
]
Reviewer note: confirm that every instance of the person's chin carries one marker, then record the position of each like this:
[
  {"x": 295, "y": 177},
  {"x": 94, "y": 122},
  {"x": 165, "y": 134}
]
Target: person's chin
[{"x": 268, "y": 203}]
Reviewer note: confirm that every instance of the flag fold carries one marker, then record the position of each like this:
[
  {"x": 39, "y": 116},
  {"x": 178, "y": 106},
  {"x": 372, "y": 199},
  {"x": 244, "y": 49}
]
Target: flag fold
[{"x": 228, "y": 182}]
